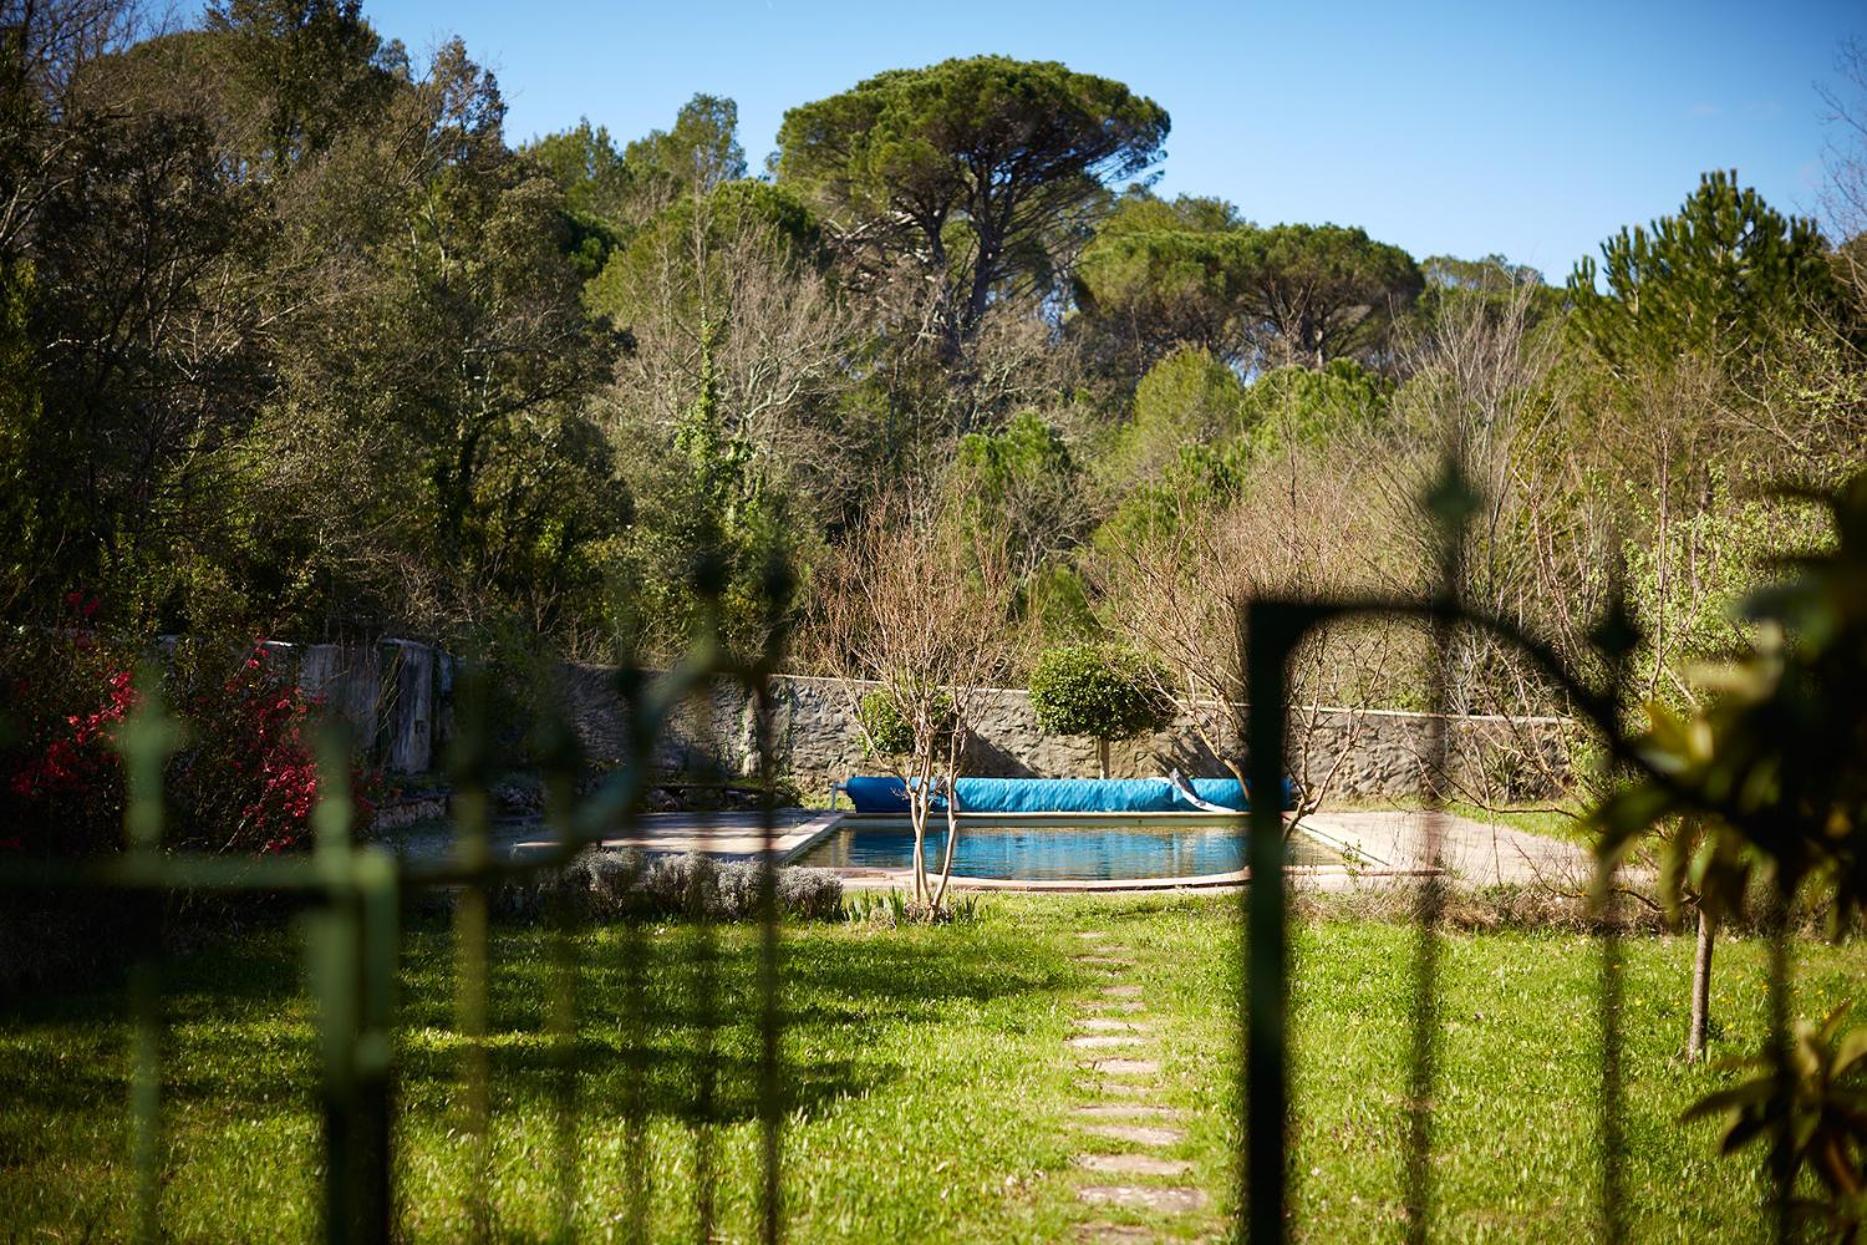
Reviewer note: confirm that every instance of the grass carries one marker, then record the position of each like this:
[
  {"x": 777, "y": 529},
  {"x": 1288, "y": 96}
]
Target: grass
[{"x": 929, "y": 1094}]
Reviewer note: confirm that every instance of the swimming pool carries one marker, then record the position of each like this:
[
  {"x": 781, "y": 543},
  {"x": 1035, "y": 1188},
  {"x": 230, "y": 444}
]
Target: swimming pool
[{"x": 1055, "y": 849}]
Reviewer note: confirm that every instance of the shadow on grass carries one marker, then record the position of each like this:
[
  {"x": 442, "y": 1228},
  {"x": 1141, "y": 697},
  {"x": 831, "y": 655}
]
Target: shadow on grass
[{"x": 239, "y": 1035}]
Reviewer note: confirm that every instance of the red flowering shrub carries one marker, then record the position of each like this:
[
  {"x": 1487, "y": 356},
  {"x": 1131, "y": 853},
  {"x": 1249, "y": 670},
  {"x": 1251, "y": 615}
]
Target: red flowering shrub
[
  {"x": 61, "y": 787},
  {"x": 78, "y": 751},
  {"x": 251, "y": 780},
  {"x": 246, "y": 780}
]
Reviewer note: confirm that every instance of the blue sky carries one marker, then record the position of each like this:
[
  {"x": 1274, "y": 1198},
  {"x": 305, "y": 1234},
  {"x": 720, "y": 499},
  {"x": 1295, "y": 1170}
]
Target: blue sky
[{"x": 1531, "y": 129}]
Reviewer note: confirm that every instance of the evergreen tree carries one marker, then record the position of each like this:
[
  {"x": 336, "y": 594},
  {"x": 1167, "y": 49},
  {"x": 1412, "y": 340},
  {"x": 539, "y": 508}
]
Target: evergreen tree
[{"x": 1727, "y": 272}]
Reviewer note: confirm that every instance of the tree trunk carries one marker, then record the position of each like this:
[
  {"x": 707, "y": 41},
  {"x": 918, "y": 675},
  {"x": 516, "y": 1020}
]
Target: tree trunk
[
  {"x": 1701, "y": 989},
  {"x": 952, "y": 837},
  {"x": 1102, "y": 758},
  {"x": 920, "y": 805},
  {"x": 918, "y": 814}
]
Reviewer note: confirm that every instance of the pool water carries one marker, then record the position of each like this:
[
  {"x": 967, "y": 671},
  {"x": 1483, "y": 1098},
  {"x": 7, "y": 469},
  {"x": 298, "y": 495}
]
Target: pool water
[{"x": 1073, "y": 852}]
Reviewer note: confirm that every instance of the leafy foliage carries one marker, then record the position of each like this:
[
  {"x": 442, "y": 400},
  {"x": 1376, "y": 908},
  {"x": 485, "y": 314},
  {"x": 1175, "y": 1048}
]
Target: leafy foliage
[
  {"x": 1286, "y": 294},
  {"x": 1104, "y": 691},
  {"x": 1189, "y": 398},
  {"x": 1825, "y": 1116},
  {"x": 886, "y": 730},
  {"x": 1024, "y": 484},
  {"x": 1773, "y": 772},
  {"x": 1160, "y": 276},
  {"x": 978, "y": 169},
  {"x": 1324, "y": 291}
]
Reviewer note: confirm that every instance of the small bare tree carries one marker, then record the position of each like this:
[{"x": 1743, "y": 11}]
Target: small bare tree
[
  {"x": 921, "y": 612},
  {"x": 1844, "y": 194},
  {"x": 1178, "y": 588}
]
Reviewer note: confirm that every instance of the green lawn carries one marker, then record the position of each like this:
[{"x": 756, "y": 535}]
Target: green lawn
[{"x": 929, "y": 1088}]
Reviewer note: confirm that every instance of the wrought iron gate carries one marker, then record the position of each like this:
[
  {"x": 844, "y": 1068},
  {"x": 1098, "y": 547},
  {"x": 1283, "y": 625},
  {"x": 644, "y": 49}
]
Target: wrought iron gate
[{"x": 354, "y": 896}]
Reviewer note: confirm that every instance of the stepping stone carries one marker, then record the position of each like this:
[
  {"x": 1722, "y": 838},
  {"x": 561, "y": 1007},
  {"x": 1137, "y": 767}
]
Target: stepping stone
[
  {"x": 1105, "y": 1041},
  {"x": 1091, "y": 935},
  {"x": 1122, "y": 992},
  {"x": 1142, "y": 1197},
  {"x": 1104, "y": 961},
  {"x": 1114, "y": 1005},
  {"x": 1102, "y": 1024},
  {"x": 1127, "y": 1067},
  {"x": 1115, "y": 1233},
  {"x": 1125, "y": 1111},
  {"x": 1121, "y": 1089},
  {"x": 1133, "y": 1165},
  {"x": 1138, "y": 1134}
]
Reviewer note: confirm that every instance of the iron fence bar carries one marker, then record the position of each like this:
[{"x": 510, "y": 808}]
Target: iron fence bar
[
  {"x": 351, "y": 946},
  {"x": 1272, "y": 631},
  {"x": 472, "y": 961},
  {"x": 380, "y": 901},
  {"x": 145, "y": 1096},
  {"x": 635, "y": 1054},
  {"x": 704, "y": 965},
  {"x": 148, "y": 738},
  {"x": 1450, "y": 503},
  {"x": 1782, "y": 1159},
  {"x": 770, "y": 1067},
  {"x": 333, "y": 953},
  {"x": 559, "y": 752},
  {"x": 1610, "y": 990},
  {"x": 1610, "y": 993},
  {"x": 1429, "y": 907},
  {"x": 632, "y": 951}
]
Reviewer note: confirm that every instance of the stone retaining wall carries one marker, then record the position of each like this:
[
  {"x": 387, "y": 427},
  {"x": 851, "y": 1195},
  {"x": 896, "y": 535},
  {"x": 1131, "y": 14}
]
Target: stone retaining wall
[
  {"x": 397, "y": 697},
  {"x": 1348, "y": 753},
  {"x": 394, "y": 695}
]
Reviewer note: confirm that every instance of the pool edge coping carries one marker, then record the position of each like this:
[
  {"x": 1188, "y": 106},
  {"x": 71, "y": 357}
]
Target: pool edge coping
[{"x": 889, "y": 879}]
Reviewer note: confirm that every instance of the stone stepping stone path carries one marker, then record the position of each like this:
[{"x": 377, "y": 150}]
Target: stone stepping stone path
[
  {"x": 1133, "y": 1165},
  {"x": 1116, "y": 1233},
  {"x": 1102, "y": 1024},
  {"x": 1145, "y": 1197},
  {"x": 1106, "y": 1041},
  {"x": 1138, "y": 1134},
  {"x": 1122, "y": 1130},
  {"x": 1124, "y": 1111}
]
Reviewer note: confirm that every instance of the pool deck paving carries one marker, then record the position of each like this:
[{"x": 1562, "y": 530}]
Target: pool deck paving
[
  {"x": 730, "y": 836},
  {"x": 1397, "y": 842}
]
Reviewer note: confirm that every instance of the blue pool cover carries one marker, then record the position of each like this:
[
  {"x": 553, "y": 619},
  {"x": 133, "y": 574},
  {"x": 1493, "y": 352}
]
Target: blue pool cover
[{"x": 1060, "y": 795}]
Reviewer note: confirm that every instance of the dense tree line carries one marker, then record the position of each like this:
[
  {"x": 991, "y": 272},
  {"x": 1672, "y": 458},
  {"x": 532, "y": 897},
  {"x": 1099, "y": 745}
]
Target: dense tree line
[{"x": 297, "y": 340}]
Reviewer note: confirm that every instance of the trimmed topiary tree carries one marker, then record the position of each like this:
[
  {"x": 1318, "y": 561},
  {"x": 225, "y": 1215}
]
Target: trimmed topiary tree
[{"x": 1104, "y": 691}]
